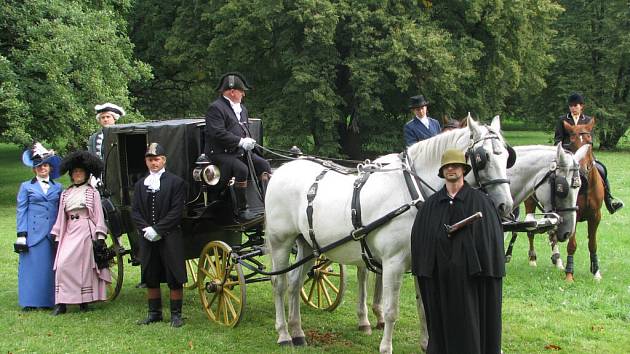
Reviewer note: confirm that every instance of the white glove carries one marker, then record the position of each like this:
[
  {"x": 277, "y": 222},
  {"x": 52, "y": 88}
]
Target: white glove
[
  {"x": 247, "y": 143},
  {"x": 20, "y": 241},
  {"x": 150, "y": 234}
]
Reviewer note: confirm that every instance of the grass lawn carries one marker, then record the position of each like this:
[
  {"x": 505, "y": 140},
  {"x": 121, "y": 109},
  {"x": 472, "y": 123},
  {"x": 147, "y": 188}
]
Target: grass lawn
[{"x": 540, "y": 310}]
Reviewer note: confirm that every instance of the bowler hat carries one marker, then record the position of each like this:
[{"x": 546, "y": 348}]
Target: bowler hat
[
  {"x": 39, "y": 155},
  {"x": 575, "y": 98},
  {"x": 417, "y": 101},
  {"x": 454, "y": 156},
  {"x": 232, "y": 80},
  {"x": 155, "y": 149}
]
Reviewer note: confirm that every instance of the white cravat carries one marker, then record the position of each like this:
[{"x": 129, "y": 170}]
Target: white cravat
[
  {"x": 44, "y": 183},
  {"x": 153, "y": 180},
  {"x": 424, "y": 120},
  {"x": 236, "y": 107}
]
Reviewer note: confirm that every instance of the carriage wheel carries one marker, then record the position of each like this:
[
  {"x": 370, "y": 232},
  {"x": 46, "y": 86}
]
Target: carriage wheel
[
  {"x": 221, "y": 284},
  {"x": 191, "y": 269},
  {"x": 116, "y": 269},
  {"x": 325, "y": 285}
]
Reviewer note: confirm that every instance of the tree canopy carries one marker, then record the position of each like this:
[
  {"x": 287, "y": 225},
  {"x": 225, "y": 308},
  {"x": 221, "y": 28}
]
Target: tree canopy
[
  {"x": 58, "y": 58},
  {"x": 333, "y": 77}
]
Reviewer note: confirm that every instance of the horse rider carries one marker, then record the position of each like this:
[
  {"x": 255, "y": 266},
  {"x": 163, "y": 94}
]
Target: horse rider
[
  {"x": 422, "y": 126},
  {"x": 228, "y": 138},
  {"x": 575, "y": 116}
]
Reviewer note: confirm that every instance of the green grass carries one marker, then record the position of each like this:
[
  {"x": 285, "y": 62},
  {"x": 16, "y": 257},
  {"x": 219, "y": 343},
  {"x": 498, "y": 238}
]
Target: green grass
[{"x": 539, "y": 308}]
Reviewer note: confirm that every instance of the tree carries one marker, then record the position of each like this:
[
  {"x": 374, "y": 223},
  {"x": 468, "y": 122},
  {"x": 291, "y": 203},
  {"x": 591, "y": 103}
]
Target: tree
[
  {"x": 592, "y": 54},
  {"x": 57, "y": 60},
  {"x": 334, "y": 76}
]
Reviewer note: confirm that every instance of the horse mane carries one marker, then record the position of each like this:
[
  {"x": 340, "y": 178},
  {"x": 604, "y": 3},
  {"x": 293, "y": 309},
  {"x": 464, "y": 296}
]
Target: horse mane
[{"x": 432, "y": 149}]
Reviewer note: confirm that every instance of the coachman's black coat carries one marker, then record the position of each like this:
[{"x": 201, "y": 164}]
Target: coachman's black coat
[
  {"x": 223, "y": 131},
  {"x": 460, "y": 276},
  {"x": 168, "y": 205}
]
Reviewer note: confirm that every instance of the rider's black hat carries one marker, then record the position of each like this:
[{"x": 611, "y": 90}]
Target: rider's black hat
[
  {"x": 417, "y": 102},
  {"x": 575, "y": 98},
  {"x": 232, "y": 80}
]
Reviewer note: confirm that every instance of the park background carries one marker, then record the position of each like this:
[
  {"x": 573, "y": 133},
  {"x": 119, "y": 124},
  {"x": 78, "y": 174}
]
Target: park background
[{"x": 332, "y": 77}]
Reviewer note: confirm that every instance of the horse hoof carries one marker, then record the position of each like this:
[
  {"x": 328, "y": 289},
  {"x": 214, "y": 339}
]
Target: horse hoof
[
  {"x": 285, "y": 343},
  {"x": 366, "y": 329},
  {"x": 298, "y": 341},
  {"x": 380, "y": 325},
  {"x": 533, "y": 264},
  {"x": 597, "y": 276}
]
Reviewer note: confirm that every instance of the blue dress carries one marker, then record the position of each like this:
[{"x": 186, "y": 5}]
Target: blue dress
[{"x": 36, "y": 214}]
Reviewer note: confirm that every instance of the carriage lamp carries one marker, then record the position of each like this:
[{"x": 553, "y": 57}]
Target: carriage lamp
[{"x": 205, "y": 171}]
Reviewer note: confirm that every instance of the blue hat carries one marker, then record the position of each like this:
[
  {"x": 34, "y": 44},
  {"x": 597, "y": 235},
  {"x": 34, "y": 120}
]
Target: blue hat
[{"x": 38, "y": 155}]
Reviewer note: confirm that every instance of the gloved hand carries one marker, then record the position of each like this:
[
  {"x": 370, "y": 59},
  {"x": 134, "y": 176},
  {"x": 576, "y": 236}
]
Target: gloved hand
[
  {"x": 150, "y": 234},
  {"x": 20, "y": 244},
  {"x": 247, "y": 143}
]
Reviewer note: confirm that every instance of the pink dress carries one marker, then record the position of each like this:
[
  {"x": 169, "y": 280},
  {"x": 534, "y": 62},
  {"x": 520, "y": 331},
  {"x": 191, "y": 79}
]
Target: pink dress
[{"x": 79, "y": 221}]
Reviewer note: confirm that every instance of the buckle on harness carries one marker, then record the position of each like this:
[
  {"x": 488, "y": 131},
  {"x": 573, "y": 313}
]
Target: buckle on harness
[{"x": 358, "y": 234}]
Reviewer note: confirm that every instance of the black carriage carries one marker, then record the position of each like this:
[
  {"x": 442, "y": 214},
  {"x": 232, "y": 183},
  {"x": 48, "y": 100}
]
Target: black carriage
[{"x": 221, "y": 254}]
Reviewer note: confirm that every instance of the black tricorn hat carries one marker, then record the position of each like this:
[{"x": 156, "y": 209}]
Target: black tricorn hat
[
  {"x": 232, "y": 80},
  {"x": 82, "y": 159},
  {"x": 417, "y": 101},
  {"x": 575, "y": 98},
  {"x": 155, "y": 149}
]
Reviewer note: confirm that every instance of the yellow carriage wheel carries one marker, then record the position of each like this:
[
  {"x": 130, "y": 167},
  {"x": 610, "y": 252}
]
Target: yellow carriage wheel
[
  {"x": 221, "y": 284},
  {"x": 116, "y": 269},
  {"x": 325, "y": 285},
  {"x": 191, "y": 270}
]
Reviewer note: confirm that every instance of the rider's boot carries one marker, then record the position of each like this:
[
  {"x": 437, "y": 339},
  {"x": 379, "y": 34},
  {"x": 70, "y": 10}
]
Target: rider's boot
[
  {"x": 264, "y": 181},
  {"x": 244, "y": 214},
  {"x": 155, "y": 312},
  {"x": 612, "y": 204}
]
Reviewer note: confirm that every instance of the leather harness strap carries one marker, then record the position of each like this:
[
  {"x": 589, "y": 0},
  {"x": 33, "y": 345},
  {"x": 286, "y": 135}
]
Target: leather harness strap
[{"x": 312, "y": 192}]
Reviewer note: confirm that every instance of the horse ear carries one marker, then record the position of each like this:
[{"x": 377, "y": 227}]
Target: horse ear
[
  {"x": 496, "y": 124},
  {"x": 567, "y": 126},
  {"x": 444, "y": 120},
  {"x": 591, "y": 124},
  {"x": 582, "y": 152},
  {"x": 473, "y": 126},
  {"x": 561, "y": 155}
]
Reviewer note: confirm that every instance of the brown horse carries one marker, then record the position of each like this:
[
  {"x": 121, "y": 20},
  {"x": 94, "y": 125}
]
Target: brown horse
[{"x": 589, "y": 203}]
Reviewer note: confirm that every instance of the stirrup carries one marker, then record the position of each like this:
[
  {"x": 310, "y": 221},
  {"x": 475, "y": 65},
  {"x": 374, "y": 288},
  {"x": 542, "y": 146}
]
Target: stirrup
[{"x": 615, "y": 204}]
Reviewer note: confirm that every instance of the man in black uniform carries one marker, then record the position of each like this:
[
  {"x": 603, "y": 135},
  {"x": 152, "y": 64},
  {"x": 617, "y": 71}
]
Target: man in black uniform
[
  {"x": 158, "y": 204},
  {"x": 460, "y": 274},
  {"x": 577, "y": 117},
  {"x": 228, "y": 137}
]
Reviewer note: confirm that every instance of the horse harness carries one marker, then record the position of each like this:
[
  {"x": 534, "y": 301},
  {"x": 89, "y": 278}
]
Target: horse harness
[
  {"x": 479, "y": 158},
  {"x": 361, "y": 231},
  {"x": 559, "y": 188}
]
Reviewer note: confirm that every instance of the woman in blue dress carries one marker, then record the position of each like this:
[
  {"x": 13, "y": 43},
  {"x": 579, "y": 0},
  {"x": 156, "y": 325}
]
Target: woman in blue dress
[{"x": 37, "y": 204}]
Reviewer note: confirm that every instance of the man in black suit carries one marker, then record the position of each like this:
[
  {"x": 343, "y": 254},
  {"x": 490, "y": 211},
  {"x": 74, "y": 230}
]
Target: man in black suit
[
  {"x": 158, "y": 204},
  {"x": 228, "y": 138}
]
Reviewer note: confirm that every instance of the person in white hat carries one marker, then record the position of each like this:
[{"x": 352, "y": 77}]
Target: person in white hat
[
  {"x": 36, "y": 211},
  {"x": 106, "y": 114}
]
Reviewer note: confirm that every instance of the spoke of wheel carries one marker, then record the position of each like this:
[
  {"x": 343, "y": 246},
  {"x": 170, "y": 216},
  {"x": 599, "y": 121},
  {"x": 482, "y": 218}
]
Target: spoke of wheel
[
  {"x": 230, "y": 307},
  {"x": 326, "y": 294},
  {"x": 229, "y": 293},
  {"x": 191, "y": 266},
  {"x": 330, "y": 284},
  {"x": 319, "y": 294},
  {"x": 312, "y": 290},
  {"x": 225, "y": 313},
  {"x": 219, "y": 307},
  {"x": 207, "y": 273}
]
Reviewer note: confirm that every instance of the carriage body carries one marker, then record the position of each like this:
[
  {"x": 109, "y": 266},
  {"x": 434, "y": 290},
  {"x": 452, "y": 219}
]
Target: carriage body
[
  {"x": 205, "y": 219},
  {"x": 212, "y": 238}
]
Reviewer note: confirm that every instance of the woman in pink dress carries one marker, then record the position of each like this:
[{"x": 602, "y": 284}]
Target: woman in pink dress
[{"x": 80, "y": 221}]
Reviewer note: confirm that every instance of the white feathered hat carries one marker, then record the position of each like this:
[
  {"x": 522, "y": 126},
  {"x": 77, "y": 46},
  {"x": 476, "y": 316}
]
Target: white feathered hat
[{"x": 115, "y": 110}]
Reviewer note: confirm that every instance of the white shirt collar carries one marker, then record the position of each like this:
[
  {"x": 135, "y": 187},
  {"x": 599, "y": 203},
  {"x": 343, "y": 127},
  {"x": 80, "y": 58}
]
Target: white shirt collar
[
  {"x": 236, "y": 107},
  {"x": 153, "y": 180},
  {"x": 424, "y": 120},
  {"x": 39, "y": 179}
]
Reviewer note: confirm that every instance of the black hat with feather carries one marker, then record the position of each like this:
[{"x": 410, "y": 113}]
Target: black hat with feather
[{"x": 82, "y": 159}]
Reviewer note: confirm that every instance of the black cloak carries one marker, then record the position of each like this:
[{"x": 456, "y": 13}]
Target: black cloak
[{"x": 460, "y": 276}]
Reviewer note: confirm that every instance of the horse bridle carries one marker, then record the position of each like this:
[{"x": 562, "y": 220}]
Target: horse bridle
[
  {"x": 559, "y": 190},
  {"x": 479, "y": 158}
]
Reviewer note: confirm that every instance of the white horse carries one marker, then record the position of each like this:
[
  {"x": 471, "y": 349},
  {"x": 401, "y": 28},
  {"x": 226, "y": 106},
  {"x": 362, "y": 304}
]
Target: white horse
[
  {"x": 286, "y": 218},
  {"x": 531, "y": 175}
]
